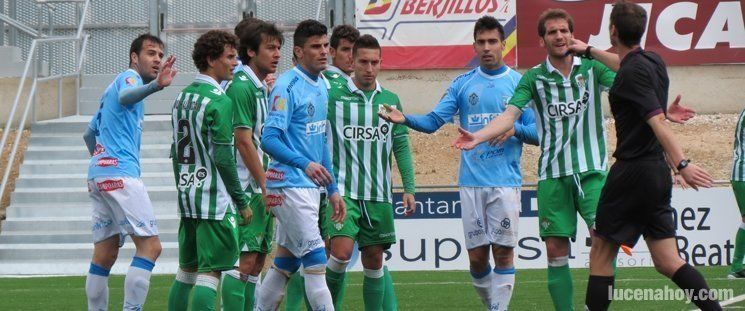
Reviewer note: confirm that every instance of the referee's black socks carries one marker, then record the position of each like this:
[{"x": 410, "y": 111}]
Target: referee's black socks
[
  {"x": 599, "y": 292},
  {"x": 690, "y": 280}
]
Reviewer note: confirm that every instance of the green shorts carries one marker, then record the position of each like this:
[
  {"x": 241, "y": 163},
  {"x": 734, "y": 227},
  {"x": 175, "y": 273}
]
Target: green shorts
[
  {"x": 208, "y": 245},
  {"x": 256, "y": 237},
  {"x": 739, "y": 188},
  {"x": 560, "y": 199},
  {"x": 367, "y": 222}
]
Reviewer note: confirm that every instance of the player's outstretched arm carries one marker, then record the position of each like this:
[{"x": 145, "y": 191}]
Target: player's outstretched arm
[
  {"x": 500, "y": 125},
  {"x": 693, "y": 175},
  {"x": 608, "y": 59},
  {"x": 678, "y": 113},
  {"x": 428, "y": 123},
  {"x": 129, "y": 94}
]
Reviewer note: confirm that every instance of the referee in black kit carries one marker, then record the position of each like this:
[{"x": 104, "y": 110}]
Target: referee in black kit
[{"x": 636, "y": 198}]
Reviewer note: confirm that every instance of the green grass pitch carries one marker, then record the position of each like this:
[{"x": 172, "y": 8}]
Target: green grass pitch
[{"x": 441, "y": 290}]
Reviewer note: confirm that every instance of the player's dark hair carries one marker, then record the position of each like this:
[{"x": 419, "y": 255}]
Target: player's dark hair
[
  {"x": 554, "y": 14},
  {"x": 252, "y": 38},
  {"x": 210, "y": 46},
  {"x": 137, "y": 43},
  {"x": 306, "y": 29},
  {"x": 488, "y": 23},
  {"x": 346, "y": 32},
  {"x": 245, "y": 25},
  {"x": 365, "y": 42},
  {"x": 630, "y": 20}
]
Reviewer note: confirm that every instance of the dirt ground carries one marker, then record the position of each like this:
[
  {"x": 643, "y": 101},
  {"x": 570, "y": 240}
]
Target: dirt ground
[
  {"x": 5, "y": 199},
  {"x": 706, "y": 140}
]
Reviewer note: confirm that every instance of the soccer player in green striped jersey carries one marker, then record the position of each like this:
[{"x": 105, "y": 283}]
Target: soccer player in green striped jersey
[
  {"x": 564, "y": 91},
  {"x": 738, "y": 186},
  {"x": 259, "y": 49},
  {"x": 209, "y": 192},
  {"x": 361, "y": 148}
]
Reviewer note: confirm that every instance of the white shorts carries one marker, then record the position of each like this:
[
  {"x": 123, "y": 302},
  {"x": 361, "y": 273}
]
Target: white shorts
[
  {"x": 296, "y": 210},
  {"x": 490, "y": 215},
  {"x": 121, "y": 206}
]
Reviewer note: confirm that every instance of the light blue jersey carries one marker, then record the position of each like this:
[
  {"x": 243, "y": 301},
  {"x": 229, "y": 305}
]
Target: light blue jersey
[
  {"x": 298, "y": 110},
  {"x": 478, "y": 97},
  {"x": 118, "y": 130}
]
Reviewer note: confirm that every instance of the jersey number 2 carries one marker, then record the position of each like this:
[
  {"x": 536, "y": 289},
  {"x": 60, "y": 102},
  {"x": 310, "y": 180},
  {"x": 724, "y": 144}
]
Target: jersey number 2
[{"x": 185, "y": 149}]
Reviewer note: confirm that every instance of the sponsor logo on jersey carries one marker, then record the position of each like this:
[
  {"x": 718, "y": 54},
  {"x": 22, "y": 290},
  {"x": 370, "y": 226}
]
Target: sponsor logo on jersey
[
  {"x": 367, "y": 133},
  {"x": 279, "y": 103},
  {"x": 243, "y": 78},
  {"x": 478, "y": 119},
  {"x": 110, "y": 185},
  {"x": 273, "y": 200},
  {"x": 377, "y": 7},
  {"x": 275, "y": 175},
  {"x": 99, "y": 149},
  {"x": 315, "y": 128},
  {"x": 558, "y": 110},
  {"x": 192, "y": 179},
  {"x": 130, "y": 81},
  {"x": 107, "y": 161},
  {"x": 473, "y": 99}
]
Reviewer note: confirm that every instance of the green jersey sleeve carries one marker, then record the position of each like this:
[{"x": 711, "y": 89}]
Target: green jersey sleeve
[
  {"x": 604, "y": 75},
  {"x": 220, "y": 121},
  {"x": 244, "y": 105},
  {"x": 523, "y": 96}
]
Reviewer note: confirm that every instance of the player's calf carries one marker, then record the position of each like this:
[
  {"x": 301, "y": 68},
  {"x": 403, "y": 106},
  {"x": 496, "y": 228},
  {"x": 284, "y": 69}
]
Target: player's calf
[{"x": 273, "y": 289}]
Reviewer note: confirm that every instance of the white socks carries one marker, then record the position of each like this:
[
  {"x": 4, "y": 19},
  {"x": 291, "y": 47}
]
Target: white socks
[
  {"x": 316, "y": 289},
  {"x": 97, "y": 288},
  {"x": 272, "y": 290},
  {"x": 137, "y": 283},
  {"x": 503, "y": 281},
  {"x": 482, "y": 283}
]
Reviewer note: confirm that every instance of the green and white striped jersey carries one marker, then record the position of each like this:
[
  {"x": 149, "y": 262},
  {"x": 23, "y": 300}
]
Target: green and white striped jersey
[
  {"x": 738, "y": 161},
  {"x": 202, "y": 117},
  {"x": 249, "y": 96},
  {"x": 569, "y": 115},
  {"x": 361, "y": 143}
]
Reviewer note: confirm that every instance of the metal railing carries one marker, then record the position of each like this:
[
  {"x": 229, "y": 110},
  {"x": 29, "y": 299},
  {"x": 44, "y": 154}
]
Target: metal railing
[{"x": 81, "y": 40}]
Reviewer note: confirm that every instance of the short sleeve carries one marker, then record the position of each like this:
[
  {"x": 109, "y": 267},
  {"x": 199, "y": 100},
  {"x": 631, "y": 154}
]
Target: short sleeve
[
  {"x": 220, "y": 121},
  {"x": 638, "y": 90},
  {"x": 280, "y": 112},
  {"x": 448, "y": 105},
  {"x": 604, "y": 75},
  {"x": 244, "y": 105},
  {"x": 523, "y": 95}
]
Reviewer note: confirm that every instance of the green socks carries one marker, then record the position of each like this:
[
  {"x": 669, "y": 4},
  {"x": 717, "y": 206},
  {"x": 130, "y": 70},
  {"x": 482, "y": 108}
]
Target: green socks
[
  {"x": 232, "y": 291},
  {"x": 739, "y": 249},
  {"x": 337, "y": 286},
  {"x": 249, "y": 293},
  {"x": 390, "y": 302},
  {"x": 373, "y": 288},
  {"x": 295, "y": 293},
  {"x": 205, "y": 293},
  {"x": 178, "y": 297},
  {"x": 560, "y": 287}
]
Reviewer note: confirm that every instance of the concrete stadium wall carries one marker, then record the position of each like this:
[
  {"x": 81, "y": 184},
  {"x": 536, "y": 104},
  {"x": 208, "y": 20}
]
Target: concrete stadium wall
[
  {"x": 707, "y": 89},
  {"x": 47, "y": 99}
]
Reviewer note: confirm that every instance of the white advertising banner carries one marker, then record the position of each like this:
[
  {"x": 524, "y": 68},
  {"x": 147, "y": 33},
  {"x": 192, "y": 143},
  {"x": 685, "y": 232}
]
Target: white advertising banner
[{"x": 432, "y": 239}]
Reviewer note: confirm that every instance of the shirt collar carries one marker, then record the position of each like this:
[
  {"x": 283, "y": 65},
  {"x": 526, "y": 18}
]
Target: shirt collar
[
  {"x": 502, "y": 71},
  {"x": 576, "y": 61},
  {"x": 353, "y": 87},
  {"x": 207, "y": 79},
  {"x": 301, "y": 72},
  {"x": 255, "y": 79},
  {"x": 335, "y": 69}
]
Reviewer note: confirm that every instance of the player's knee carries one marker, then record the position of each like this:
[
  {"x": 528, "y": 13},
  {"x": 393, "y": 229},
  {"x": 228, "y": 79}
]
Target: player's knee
[
  {"x": 556, "y": 248},
  {"x": 478, "y": 264},
  {"x": 314, "y": 262},
  {"x": 667, "y": 267},
  {"x": 106, "y": 259},
  {"x": 503, "y": 256},
  {"x": 287, "y": 265}
]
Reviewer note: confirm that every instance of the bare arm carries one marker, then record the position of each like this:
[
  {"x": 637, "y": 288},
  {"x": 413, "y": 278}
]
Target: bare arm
[
  {"x": 693, "y": 175},
  {"x": 608, "y": 59},
  {"x": 250, "y": 156}
]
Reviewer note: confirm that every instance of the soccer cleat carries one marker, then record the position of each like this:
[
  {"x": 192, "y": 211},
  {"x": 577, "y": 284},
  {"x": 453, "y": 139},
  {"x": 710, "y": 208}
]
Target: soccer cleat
[{"x": 737, "y": 275}]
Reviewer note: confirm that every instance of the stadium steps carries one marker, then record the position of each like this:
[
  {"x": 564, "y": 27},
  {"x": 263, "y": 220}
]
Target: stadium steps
[
  {"x": 47, "y": 230},
  {"x": 93, "y": 85}
]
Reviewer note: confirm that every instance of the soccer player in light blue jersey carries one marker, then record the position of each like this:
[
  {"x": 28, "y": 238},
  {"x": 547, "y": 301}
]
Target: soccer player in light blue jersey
[
  {"x": 489, "y": 177},
  {"x": 294, "y": 136},
  {"x": 121, "y": 205}
]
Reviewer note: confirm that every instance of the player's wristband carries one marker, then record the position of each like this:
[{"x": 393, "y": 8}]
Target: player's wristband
[
  {"x": 588, "y": 54},
  {"x": 683, "y": 164}
]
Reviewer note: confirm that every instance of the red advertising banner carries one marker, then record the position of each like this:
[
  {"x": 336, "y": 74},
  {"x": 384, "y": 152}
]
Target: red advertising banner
[{"x": 682, "y": 32}]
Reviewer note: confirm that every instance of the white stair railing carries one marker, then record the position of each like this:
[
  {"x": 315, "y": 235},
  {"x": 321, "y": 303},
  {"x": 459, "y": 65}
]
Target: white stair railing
[{"x": 81, "y": 39}]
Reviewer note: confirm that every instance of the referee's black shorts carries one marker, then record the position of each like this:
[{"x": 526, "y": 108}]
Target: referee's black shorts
[{"x": 636, "y": 201}]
